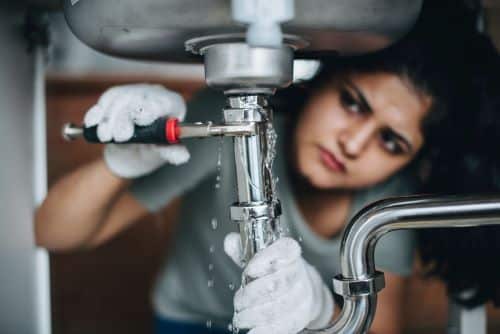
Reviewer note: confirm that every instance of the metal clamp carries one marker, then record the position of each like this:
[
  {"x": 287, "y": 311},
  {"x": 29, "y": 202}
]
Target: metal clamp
[
  {"x": 247, "y": 101},
  {"x": 352, "y": 288},
  {"x": 232, "y": 116},
  {"x": 240, "y": 213}
]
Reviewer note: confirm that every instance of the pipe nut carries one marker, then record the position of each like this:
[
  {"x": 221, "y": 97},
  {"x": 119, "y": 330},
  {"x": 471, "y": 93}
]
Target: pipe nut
[
  {"x": 352, "y": 288},
  {"x": 237, "y": 116},
  {"x": 241, "y": 213}
]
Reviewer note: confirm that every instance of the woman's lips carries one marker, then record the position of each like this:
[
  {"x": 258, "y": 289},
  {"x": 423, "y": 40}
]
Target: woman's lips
[{"x": 331, "y": 162}]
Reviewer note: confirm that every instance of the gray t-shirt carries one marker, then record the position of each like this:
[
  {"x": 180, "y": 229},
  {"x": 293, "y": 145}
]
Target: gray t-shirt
[{"x": 198, "y": 280}]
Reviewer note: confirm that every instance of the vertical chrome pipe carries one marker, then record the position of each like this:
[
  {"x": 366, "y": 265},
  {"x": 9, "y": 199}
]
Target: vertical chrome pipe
[
  {"x": 366, "y": 228},
  {"x": 256, "y": 233},
  {"x": 248, "y": 155},
  {"x": 256, "y": 212}
]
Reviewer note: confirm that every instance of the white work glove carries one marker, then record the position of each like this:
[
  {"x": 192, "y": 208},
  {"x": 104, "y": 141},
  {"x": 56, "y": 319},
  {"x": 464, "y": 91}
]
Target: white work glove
[
  {"x": 116, "y": 113},
  {"x": 285, "y": 294}
]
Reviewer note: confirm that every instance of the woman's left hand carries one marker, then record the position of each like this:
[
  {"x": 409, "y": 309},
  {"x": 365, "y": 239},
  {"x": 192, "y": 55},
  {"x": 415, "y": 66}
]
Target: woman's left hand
[{"x": 285, "y": 293}]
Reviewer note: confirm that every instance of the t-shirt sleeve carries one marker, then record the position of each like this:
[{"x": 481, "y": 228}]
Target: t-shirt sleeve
[{"x": 155, "y": 190}]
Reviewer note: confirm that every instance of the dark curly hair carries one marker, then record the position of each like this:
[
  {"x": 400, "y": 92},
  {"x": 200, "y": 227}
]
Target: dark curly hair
[
  {"x": 443, "y": 57},
  {"x": 466, "y": 162}
]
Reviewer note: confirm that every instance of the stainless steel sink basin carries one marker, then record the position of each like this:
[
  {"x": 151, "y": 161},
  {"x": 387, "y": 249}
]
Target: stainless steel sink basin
[{"x": 157, "y": 29}]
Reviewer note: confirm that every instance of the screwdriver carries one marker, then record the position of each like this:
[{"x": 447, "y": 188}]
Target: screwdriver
[{"x": 164, "y": 131}]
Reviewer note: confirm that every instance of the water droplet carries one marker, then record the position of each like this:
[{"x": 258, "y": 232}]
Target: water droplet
[
  {"x": 230, "y": 327},
  {"x": 300, "y": 239},
  {"x": 210, "y": 283},
  {"x": 270, "y": 154},
  {"x": 212, "y": 249},
  {"x": 231, "y": 286},
  {"x": 209, "y": 323},
  {"x": 210, "y": 267},
  {"x": 214, "y": 223},
  {"x": 219, "y": 165}
]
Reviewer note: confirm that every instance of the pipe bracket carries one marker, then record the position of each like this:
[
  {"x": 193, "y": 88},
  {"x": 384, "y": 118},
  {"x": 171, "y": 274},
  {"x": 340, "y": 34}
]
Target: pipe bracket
[
  {"x": 243, "y": 212},
  {"x": 352, "y": 288}
]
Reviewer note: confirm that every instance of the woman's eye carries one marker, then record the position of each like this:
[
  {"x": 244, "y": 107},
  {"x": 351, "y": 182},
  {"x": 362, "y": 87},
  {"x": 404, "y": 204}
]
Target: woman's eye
[
  {"x": 390, "y": 143},
  {"x": 349, "y": 102}
]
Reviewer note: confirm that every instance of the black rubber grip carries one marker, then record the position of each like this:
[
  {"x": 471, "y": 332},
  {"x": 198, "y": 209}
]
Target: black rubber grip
[{"x": 150, "y": 134}]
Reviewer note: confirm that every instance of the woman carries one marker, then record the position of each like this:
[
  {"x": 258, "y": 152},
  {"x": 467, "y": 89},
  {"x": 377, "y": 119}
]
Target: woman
[{"x": 363, "y": 129}]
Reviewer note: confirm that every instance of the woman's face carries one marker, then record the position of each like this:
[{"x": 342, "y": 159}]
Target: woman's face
[{"x": 359, "y": 131}]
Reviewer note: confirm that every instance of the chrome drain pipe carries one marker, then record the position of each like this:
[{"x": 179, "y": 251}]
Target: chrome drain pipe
[
  {"x": 257, "y": 210},
  {"x": 359, "y": 282}
]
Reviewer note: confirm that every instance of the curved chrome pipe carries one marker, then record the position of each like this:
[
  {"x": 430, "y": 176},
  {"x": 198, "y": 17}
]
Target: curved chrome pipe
[{"x": 366, "y": 228}]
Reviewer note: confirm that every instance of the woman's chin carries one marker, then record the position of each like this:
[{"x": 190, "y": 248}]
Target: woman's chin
[
  {"x": 318, "y": 178},
  {"x": 322, "y": 182}
]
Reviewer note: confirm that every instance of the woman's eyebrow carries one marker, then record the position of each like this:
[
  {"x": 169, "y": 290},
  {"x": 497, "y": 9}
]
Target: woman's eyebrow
[
  {"x": 366, "y": 106},
  {"x": 361, "y": 97},
  {"x": 402, "y": 139}
]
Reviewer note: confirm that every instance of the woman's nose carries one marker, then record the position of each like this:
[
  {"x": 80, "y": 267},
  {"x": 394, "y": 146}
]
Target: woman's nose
[{"x": 354, "y": 139}]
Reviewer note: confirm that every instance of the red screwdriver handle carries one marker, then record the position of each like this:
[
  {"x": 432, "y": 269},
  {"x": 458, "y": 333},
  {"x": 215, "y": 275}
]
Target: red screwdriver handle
[
  {"x": 162, "y": 131},
  {"x": 172, "y": 130}
]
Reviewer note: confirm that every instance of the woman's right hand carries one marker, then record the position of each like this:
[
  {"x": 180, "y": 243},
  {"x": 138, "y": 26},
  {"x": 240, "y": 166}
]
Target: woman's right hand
[{"x": 116, "y": 114}]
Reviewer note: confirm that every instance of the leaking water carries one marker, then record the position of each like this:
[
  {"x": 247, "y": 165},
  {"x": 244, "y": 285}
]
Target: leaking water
[
  {"x": 271, "y": 137},
  {"x": 214, "y": 223},
  {"x": 218, "y": 175}
]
